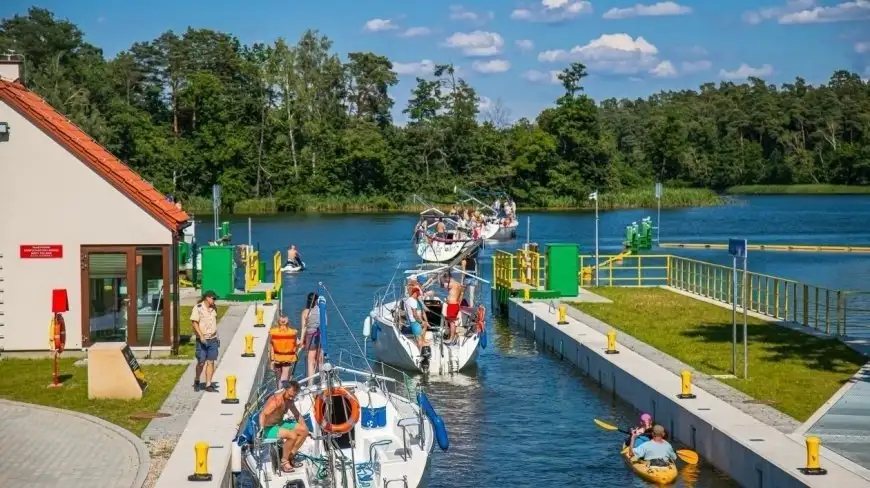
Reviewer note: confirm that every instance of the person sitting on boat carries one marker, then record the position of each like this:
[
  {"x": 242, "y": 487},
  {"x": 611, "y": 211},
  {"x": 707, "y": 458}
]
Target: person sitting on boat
[
  {"x": 293, "y": 258},
  {"x": 658, "y": 451},
  {"x": 291, "y": 431},
  {"x": 311, "y": 335},
  {"x": 454, "y": 298},
  {"x": 283, "y": 350},
  {"x": 644, "y": 430},
  {"x": 417, "y": 321}
]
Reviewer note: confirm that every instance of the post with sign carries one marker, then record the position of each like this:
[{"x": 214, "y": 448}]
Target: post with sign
[
  {"x": 216, "y": 206},
  {"x": 659, "y": 212},
  {"x": 737, "y": 248}
]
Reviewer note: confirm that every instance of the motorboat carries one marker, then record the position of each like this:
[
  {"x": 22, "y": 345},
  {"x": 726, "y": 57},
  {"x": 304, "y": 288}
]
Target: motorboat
[
  {"x": 369, "y": 426},
  {"x": 498, "y": 225},
  {"x": 392, "y": 342},
  {"x": 433, "y": 246},
  {"x": 294, "y": 267}
]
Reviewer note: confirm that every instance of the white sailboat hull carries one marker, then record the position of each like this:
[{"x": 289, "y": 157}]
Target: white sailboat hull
[
  {"x": 433, "y": 251},
  {"x": 497, "y": 231}
]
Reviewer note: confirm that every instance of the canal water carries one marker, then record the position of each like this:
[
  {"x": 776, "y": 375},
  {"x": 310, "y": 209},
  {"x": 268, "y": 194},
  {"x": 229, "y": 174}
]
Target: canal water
[{"x": 522, "y": 416}]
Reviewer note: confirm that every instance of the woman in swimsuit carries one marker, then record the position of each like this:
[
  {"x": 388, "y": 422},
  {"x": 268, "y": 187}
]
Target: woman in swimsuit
[{"x": 311, "y": 335}]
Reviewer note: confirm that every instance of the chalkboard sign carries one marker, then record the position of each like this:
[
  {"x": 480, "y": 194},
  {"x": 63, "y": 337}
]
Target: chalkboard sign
[{"x": 130, "y": 359}]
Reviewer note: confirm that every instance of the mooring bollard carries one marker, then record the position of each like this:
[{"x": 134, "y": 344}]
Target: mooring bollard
[
  {"x": 814, "y": 466},
  {"x": 611, "y": 343},
  {"x": 527, "y": 295},
  {"x": 686, "y": 385},
  {"x": 563, "y": 315},
  {"x": 268, "y": 301},
  {"x": 249, "y": 346},
  {"x": 200, "y": 471},
  {"x": 259, "y": 312},
  {"x": 231, "y": 398}
]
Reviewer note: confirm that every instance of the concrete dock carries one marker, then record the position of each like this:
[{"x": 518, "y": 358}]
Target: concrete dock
[{"x": 750, "y": 451}]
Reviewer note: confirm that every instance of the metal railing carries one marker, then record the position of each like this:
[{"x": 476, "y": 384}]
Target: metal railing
[
  {"x": 504, "y": 269},
  {"x": 276, "y": 271},
  {"x": 532, "y": 266},
  {"x": 252, "y": 268},
  {"x": 626, "y": 270}
]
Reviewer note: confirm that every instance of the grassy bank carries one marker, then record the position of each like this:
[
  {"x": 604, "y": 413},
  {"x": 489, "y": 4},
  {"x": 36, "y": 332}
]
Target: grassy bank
[
  {"x": 24, "y": 380},
  {"x": 793, "y": 372},
  {"x": 622, "y": 199},
  {"x": 187, "y": 347},
  {"x": 799, "y": 190}
]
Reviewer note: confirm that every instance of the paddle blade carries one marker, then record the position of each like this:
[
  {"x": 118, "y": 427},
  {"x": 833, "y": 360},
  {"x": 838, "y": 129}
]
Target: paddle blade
[
  {"x": 688, "y": 456},
  {"x": 605, "y": 425}
]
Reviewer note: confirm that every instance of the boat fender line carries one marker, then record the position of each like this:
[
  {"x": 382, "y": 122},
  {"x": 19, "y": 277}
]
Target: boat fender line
[
  {"x": 320, "y": 412},
  {"x": 235, "y": 458},
  {"x": 437, "y": 424}
]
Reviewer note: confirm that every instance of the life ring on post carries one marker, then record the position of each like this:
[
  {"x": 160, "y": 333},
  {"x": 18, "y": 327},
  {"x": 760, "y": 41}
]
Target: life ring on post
[
  {"x": 481, "y": 319},
  {"x": 57, "y": 333},
  {"x": 352, "y": 417}
]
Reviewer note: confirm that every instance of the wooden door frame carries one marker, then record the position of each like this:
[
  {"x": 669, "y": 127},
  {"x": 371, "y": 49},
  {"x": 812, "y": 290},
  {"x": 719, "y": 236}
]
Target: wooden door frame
[{"x": 132, "y": 289}]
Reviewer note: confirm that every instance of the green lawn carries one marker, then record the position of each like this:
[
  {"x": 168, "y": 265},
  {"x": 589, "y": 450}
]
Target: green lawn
[
  {"x": 799, "y": 190},
  {"x": 790, "y": 371},
  {"x": 25, "y": 380},
  {"x": 186, "y": 348}
]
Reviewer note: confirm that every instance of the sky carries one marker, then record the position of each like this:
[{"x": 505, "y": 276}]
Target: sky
[{"x": 510, "y": 50}]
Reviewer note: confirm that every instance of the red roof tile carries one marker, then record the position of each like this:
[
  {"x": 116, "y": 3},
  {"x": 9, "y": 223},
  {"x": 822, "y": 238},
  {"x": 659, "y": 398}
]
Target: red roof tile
[{"x": 40, "y": 113}]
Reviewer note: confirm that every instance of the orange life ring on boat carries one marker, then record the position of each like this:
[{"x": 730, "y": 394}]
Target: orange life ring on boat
[
  {"x": 320, "y": 411},
  {"x": 57, "y": 333},
  {"x": 481, "y": 318}
]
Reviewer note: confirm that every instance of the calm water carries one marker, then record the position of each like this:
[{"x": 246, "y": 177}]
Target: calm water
[{"x": 523, "y": 416}]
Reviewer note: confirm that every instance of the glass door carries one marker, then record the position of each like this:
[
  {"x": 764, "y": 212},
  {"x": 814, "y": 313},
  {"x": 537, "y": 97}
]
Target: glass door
[{"x": 108, "y": 303}]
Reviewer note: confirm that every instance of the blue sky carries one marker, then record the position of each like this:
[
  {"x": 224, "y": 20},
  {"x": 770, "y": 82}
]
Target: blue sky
[{"x": 508, "y": 49}]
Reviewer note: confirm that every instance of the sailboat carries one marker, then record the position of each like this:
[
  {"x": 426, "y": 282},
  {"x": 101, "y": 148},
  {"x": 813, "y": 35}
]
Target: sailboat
[
  {"x": 392, "y": 342},
  {"x": 440, "y": 247},
  {"x": 497, "y": 226},
  {"x": 369, "y": 426}
]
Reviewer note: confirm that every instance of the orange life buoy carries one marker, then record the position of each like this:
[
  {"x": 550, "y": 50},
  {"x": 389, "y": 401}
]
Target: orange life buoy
[
  {"x": 57, "y": 333},
  {"x": 320, "y": 411},
  {"x": 481, "y": 318}
]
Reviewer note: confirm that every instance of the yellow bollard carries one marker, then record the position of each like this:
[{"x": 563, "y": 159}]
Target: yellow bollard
[
  {"x": 259, "y": 313},
  {"x": 200, "y": 472},
  {"x": 231, "y": 398},
  {"x": 527, "y": 295},
  {"x": 686, "y": 385},
  {"x": 268, "y": 301},
  {"x": 249, "y": 346},
  {"x": 814, "y": 466},
  {"x": 611, "y": 343},
  {"x": 563, "y": 312}
]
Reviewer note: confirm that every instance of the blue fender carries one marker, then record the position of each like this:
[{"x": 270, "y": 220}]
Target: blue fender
[
  {"x": 376, "y": 327},
  {"x": 483, "y": 339},
  {"x": 437, "y": 424}
]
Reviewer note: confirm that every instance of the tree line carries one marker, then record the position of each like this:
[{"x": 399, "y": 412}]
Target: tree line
[{"x": 286, "y": 126}]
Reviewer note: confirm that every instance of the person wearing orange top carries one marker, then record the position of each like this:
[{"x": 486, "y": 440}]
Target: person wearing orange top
[{"x": 283, "y": 350}]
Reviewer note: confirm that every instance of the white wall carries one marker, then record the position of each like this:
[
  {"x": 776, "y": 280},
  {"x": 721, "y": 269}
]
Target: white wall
[{"x": 48, "y": 196}]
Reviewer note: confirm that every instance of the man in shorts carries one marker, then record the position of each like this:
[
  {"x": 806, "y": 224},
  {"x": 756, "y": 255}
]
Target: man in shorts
[
  {"x": 291, "y": 431},
  {"x": 417, "y": 321},
  {"x": 454, "y": 298},
  {"x": 203, "y": 318}
]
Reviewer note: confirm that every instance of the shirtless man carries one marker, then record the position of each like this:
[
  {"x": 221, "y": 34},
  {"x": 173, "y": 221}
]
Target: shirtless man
[
  {"x": 454, "y": 297},
  {"x": 293, "y": 255},
  {"x": 291, "y": 431},
  {"x": 440, "y": 228}
]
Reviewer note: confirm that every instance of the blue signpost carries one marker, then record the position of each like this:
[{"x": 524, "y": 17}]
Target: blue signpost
[{"x": 737, "y": 248}]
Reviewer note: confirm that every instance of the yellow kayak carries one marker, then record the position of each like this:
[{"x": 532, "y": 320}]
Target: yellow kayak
[{"x": 653, "y": 474}]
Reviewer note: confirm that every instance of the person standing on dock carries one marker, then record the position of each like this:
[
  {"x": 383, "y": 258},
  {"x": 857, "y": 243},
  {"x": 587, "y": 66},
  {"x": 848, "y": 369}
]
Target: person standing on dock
[
  {"x": 311, "y": 336},
  {"x": 203, "y": 318}
]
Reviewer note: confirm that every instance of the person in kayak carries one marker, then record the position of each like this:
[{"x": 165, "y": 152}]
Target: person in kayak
[
  {"x": 644, "y": 430},
  {"x": 293, "y": 258},
  {"x": 658, "y": 451}
]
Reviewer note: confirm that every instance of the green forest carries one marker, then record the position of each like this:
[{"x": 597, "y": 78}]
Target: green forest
[{"x": 295, "y": 126}]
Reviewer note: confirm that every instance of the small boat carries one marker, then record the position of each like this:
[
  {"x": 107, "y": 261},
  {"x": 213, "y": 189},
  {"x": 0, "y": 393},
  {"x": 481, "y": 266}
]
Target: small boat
[
  {"x": 369, "y": 426},
  {"x": 441, "y": 247},
  {"x": 293, "y": 267},
  {"x": 661, "y": 475},
  {"x": 392, "y": 342},
  {"x": 498, "y": 226}
]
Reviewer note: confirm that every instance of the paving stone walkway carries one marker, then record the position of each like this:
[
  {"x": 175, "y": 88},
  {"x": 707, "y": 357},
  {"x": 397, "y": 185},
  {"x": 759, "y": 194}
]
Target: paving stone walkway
[{"x": 50, "y": 448}]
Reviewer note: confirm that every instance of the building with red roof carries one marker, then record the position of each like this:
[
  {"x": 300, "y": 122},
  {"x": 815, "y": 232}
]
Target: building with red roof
[{"x": 74, "y": 217}]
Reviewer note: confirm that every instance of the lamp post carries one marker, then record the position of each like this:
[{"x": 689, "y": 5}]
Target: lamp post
[{"x": 594, "y": 196}]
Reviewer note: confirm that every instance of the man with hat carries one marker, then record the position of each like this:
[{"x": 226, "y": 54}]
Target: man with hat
[{"x": 204, "y": 321}]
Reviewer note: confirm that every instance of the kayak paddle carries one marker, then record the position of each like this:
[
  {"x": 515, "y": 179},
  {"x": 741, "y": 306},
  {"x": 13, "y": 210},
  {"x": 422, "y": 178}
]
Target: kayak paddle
[{"x": 687, "y": 455}]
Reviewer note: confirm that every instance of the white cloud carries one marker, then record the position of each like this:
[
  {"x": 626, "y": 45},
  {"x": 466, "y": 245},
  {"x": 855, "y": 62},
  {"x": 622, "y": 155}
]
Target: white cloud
[
  {"x": 551, "y": 77},
  {"x": 654, "y": 10},
  {"x": 491, "y": 66},
  {"x": 484, "y": 104},
  {"x": 664, "y": 69},
  {"x": 614, "y": 53},
  {"x": 525, "y": 44},
  {"x": 379, "y": 25},
  {"x": 422, "y": 68},
  {"x": 416, "y": 32},
  {"x": 810, "y": 12},
  {"x": 477, "y": 43},
  {"x": 862, "y": 47},
  {"x": 552, "y": 11},
  {"x": 696, "y": 51},
  {"x": 745, "y": 71},
  {"x": 458, "y": 12},
  {"x": 695, "y": 66}
]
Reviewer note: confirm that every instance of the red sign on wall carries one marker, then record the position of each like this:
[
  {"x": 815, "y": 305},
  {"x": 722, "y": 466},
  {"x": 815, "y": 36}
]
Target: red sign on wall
[{"x": 41, "y": 251}]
